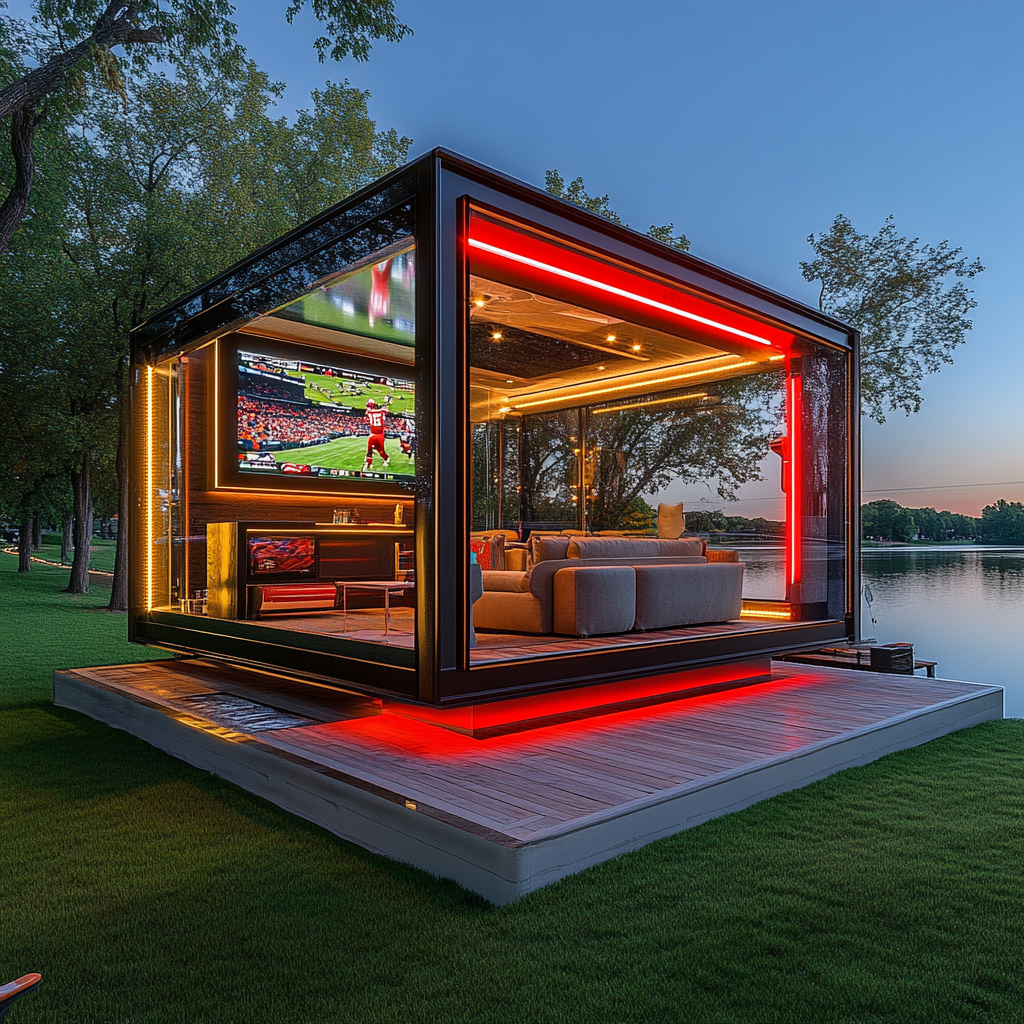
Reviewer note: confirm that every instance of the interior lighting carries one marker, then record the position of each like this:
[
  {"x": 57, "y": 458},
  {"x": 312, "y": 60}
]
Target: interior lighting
[
  {"x": 149, "y": 488},
  {"x": 509, "y": 380},
  {"x": 600, "y": 367},
  {"x": 655, "y": 401},
  {"x": 633, "y": 384},
  {"x": 611, "y": 337},
  {"x": 478, "y": 302},
  {"x": 496, "y": 336},
  {"x": 762, "y": 613},
  {"x": 505, "y": 408},
  {"x": 772, "y": 359},
  {"x": 636, "y": 348},
  {"x": 613, "y": 290}
]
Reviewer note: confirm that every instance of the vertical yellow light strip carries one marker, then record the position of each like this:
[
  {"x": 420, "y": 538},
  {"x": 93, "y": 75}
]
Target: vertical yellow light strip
[
  {"x": 216, "y": 412},
  {"x": 149, "y": 488}
]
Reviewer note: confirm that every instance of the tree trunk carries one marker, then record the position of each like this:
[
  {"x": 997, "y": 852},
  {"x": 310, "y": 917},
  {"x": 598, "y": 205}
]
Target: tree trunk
[
  {"x": 37, "y": 531},
  {"x": 119, "y": 589},
  {"x": 20, "y": 99},
  {"x": 23, "y": 133},
  {"x": 25, "y": 544},
  {"x": 65, "y": 538},
  {"x": 114, "y": 26},
  {"x": 81, "y": 488}
]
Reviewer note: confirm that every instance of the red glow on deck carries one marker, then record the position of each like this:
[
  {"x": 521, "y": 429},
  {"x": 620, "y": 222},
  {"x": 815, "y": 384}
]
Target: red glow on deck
[
  {"x": 587, "y": 701},
  {"x": 539, "y": 264},
  {"x": 389, "y": 732}
]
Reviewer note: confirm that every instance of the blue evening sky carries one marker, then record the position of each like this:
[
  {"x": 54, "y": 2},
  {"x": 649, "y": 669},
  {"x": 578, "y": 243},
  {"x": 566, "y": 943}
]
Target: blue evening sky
[{"x": 750, "y": 125}]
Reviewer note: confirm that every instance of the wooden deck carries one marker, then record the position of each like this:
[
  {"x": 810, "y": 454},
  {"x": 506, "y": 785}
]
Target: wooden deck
[{"x": 508, "y": 814}]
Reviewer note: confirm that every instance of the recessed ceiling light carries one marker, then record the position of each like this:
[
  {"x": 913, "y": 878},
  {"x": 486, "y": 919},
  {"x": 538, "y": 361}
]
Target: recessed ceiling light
[
  {"x": 611, "y": 337},
  {"x": 636, "y": 348},
  {"x": 600, "y": 367},
  {"x": 478, "y": 302},
  {"x": 510, "y": 381},
  {"x": 496, "y": 336}
]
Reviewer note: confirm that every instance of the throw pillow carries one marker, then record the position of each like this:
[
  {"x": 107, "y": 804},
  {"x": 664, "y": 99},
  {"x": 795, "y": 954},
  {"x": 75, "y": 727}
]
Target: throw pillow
[
  {"x": 545, "y": 548},
  {"x": 671, "y": 521},
  {"x": 490, "y": 552}
]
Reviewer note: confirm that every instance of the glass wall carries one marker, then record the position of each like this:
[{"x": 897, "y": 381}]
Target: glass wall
[
  {"x": 596, "y": 393},
  {"x": 277, "y": 472}
]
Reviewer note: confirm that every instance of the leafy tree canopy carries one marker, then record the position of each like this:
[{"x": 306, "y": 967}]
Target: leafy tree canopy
[
  {"x": 144, "y": 198},
  {"x": 908, "y": 300},
  {"x": 1003, "y": 522},
  {"x": 576, "y": 192},
  {"x": 65, "y": 54},
  {"x": 889, "y": 520}
]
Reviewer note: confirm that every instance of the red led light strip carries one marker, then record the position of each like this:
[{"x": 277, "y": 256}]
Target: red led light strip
[
  {"x": 793, "y": 502},
  {"x": 613, "y": 290}
]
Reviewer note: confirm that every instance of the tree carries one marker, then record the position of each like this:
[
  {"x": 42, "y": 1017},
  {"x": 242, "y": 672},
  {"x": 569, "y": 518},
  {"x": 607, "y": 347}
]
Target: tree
[
  {"x": 68, "y": 42},
  {"x": 878, "y": 518},
  {"x": 908, "y": 300},
  {"x": 904, "y": 526},
  {"x": 576, "y": 192},
  {"x": 169, "y": 185},
  {"x": 720, "y": 435},
  {"x": 1003, "y": 523}
]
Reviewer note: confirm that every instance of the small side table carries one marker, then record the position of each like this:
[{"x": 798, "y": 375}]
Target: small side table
[{"x": 389, "y": 587}]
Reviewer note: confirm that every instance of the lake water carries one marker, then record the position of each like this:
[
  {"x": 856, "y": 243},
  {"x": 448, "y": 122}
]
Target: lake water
[{"x": 962, "y": 607}]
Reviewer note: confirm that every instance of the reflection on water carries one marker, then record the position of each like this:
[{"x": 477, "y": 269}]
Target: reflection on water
[
  {"x": 962, "y": 607},
  {"x": 764, "y": 579}
]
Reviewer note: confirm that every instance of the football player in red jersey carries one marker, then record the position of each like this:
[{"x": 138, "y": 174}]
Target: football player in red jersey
[{"x": 375, "y": 442}]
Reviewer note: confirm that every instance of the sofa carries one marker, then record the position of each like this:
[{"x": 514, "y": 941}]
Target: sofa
[{"x": 587, "y": 586}]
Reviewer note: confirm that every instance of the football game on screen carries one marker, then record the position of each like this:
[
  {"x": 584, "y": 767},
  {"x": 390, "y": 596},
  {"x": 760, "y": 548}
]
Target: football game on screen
[{"x": 299, "y": 418}]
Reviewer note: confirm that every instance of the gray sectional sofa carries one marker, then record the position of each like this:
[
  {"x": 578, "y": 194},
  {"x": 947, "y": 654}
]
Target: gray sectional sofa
[{"x": 588, "y": 586}]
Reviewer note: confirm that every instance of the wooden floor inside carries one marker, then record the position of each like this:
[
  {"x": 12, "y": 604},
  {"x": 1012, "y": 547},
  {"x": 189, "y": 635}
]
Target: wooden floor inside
[{"x": 508, "y": 814}]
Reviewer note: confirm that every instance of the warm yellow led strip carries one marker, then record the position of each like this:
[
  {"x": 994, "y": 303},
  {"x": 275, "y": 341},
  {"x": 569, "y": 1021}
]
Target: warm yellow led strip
[
  {"x": 644, "y": 405},
  {"x": 633, "y": 385}
]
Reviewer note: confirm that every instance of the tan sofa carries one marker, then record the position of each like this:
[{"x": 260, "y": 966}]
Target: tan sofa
[{"x": 558, "y": 596}]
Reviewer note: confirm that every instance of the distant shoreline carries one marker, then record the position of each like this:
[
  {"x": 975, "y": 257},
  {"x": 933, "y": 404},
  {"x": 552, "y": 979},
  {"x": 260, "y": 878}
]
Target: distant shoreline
[{"x": 936, "y": 546}]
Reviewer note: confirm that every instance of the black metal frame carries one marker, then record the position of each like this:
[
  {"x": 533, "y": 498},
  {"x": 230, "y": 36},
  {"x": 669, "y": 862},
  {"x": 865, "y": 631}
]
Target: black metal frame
[{"x": 438, "y": 189}]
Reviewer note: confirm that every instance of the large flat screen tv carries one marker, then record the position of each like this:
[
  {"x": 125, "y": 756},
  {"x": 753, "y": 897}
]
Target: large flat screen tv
[{"x": 297, "y": 418}]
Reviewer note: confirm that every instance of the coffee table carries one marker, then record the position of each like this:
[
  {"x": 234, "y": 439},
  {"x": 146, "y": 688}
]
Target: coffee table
[{"x": 389, "y": 587}]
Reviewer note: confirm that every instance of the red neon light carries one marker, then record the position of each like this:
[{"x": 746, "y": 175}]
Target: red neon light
[
  {"x": 427, "y": 743},
  {"x": 793, "y": 492},
  {"x": 517, "y": 710},
  {"x": 613, "y": 290},
  {"x": 539, "y": 264}
]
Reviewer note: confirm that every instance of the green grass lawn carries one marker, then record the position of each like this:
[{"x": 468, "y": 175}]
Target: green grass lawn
[
  {"x": 145, "y": 890},
  {"x": 101, "y": 553}
]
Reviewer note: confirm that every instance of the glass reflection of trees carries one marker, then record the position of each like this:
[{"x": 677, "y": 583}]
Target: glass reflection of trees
[
  {"x": 535, "y": 469},
  {"x": 718, "y": 432}
]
